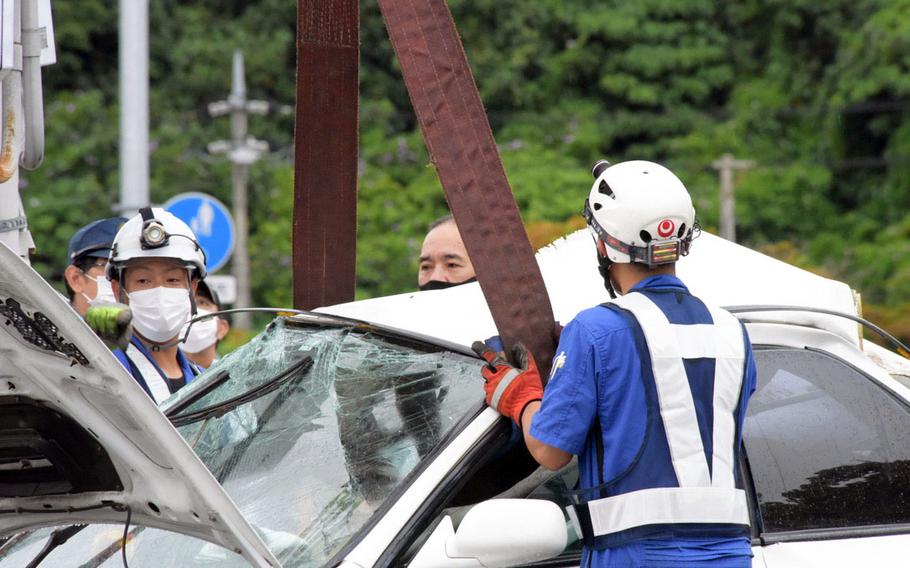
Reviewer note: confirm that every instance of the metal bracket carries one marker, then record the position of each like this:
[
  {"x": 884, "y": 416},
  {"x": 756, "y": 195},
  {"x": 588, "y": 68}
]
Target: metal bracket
[{"x": 14, "y": 224}]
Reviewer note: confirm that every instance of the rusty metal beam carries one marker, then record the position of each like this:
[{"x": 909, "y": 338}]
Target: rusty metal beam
[
  {"x": 325, "y": 152},
  {"x": 462, "y": 147}
]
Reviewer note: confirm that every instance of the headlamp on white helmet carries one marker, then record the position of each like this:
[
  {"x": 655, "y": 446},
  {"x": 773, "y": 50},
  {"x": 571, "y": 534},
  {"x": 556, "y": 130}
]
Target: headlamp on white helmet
[
  {"x": 156, "y": 233},
  {"x": 153, "y": 234},
  {"x": 159, "y": 312},
  {"x": 642, "y": 212}
]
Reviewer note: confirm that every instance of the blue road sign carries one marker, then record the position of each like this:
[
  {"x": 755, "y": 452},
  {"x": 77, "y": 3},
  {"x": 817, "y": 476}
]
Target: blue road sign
[{"x": 212, "y": 223}]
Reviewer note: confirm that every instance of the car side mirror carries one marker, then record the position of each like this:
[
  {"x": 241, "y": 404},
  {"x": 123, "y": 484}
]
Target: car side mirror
[{"x": 496, "y": 533}]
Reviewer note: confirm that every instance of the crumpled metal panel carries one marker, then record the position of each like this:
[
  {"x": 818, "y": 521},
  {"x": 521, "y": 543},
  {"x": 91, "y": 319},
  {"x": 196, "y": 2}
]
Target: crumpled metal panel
[{"x": 462, "y": 147}]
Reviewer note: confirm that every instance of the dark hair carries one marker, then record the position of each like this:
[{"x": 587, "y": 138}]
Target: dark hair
[
  {"x": 203, "y": 289},
  {"x": 83, "y": 263},
  {"x": 441, "y": 221}
]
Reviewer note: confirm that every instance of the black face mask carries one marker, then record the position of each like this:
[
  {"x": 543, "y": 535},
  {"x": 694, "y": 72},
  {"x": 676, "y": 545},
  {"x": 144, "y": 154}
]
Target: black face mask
[{"x": 440, "y": 285}]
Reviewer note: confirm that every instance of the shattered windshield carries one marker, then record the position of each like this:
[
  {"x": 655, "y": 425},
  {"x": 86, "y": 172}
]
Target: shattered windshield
[{"x": 310, "y": 427}]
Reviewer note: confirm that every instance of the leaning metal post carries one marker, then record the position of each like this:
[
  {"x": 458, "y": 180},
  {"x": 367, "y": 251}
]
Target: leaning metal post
[{"x": 325, "y": 152}]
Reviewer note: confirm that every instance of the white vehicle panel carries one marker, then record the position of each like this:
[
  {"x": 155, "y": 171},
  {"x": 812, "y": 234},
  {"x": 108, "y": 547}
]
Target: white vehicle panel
[
  {"x": 880, "y": 552},
  {"x": 368, "y": 551},
  {"x": 164, "y": 484},
  {"x": 720, "y": 272}
]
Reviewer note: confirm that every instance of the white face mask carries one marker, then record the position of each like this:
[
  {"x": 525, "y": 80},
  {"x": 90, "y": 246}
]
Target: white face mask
[
  {"x": 104, "y": 295},
  {"x": 202, "y": 334},
  {"x": 159, "y": 313}
]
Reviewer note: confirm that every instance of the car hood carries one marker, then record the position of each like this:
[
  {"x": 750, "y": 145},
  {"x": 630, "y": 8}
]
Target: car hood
[{"x": 81, "y": 442}]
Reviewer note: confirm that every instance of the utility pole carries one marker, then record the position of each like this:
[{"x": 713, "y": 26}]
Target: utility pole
[
  {"x": 243, "y": 151},
  {"x": 727, "y": 165},
  {"x": 27, "y": 43},
  {"x": 134, "y": 106}
]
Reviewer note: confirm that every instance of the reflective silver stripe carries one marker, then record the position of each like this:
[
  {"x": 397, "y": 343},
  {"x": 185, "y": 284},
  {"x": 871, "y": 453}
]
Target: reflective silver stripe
[
  {"x": 14, "y": 224},
  {"x": 668, "y": 505},
  {"x": 677, "y": 409},
  {"x": 728, "y": 384},
  {"x": 151, "y": 375},
  {"x": 502, "y": 386}
]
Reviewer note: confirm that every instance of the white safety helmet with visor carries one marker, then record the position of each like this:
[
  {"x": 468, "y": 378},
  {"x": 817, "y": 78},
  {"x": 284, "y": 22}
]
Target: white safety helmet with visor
[
  {"x": 158, "y": 313},
  {"x": 642, "y": 212},
  {"x": 155, "y": 233}
]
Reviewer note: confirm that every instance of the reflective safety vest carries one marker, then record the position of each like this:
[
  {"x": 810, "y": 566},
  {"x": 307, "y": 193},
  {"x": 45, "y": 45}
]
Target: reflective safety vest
[
  {"x": 140, "y": 365},
  {"x": 708, "y": 499}
]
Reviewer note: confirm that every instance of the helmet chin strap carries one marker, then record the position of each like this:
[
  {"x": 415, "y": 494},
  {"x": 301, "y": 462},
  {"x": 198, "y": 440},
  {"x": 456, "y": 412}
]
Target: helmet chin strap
[
  {"x": 603, "y": 266},
  {"x": 154, "y": 346},
  {"x": 189, "y": 283}
]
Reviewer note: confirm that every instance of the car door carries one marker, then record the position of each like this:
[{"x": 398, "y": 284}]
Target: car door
[
  {"x": 828, "y": 448},
  {"x": 485, "y": 460},
  {"x": 828, "y": 445}
]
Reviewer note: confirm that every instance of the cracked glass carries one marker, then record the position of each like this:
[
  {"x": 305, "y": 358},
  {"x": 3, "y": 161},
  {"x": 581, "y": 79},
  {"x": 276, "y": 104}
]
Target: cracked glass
[
  {"x": 338, "y": 418},
  {"x": 310, "y": 428}
]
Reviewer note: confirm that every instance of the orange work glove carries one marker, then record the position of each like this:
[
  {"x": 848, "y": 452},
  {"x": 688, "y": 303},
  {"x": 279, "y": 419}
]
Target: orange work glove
[{"x": 510, "y": 389}]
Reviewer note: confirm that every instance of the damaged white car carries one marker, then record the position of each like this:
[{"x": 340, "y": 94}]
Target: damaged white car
[{"x": 330, "y": 441}]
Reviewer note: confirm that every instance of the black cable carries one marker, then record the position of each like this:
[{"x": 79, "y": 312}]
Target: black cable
[
  {"x": 126, "y": 529},
  {"x": 197, "y": 318},
  {"x": 20, "y": 510}
]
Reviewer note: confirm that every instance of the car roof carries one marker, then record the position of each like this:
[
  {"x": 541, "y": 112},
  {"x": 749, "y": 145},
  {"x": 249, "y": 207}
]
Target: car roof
[{"x": 718, "y": 271}]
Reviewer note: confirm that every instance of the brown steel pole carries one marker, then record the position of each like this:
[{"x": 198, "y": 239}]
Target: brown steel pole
[
  {"x": 461, "y": 146},
  {"x": 325, "y": 152}
]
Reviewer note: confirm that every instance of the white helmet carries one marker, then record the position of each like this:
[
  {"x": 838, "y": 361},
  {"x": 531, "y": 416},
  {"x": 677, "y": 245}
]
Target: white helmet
[
  {"x": 641, "y": 211},
  {"x": 155, "y": 233}
]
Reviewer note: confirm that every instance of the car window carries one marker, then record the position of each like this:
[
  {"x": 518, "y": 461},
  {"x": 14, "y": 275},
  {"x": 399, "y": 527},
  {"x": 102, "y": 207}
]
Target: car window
[
  {"x": 828, "y": 446},
  {"x": 99, "y": 546},
  {"x": 311, "y": 428}
]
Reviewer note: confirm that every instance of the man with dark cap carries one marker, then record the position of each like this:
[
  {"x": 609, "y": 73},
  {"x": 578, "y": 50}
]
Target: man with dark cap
[
  {"x": 201, "y": 342},
  {"x": 84, "y": 277}
]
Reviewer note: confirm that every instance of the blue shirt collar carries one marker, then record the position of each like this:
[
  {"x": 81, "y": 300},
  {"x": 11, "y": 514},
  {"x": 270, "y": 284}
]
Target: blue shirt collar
[
  {"x": 186, "y": 367},
  {"x": 659, "y": 281}
]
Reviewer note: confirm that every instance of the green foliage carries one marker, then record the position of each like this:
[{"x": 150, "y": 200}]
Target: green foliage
[{"x": 817, "y": 93}]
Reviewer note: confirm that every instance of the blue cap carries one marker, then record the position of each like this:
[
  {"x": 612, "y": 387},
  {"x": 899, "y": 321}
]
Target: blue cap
[{"x": 94, "y": 239}]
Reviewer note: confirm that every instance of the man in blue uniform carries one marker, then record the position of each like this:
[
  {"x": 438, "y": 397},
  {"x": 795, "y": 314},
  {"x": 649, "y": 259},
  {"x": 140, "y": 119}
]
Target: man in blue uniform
[
  {"x": 155, "y": 266},
  {"x": 84, "y": 277},
  {"x": 649, "y": 390}
]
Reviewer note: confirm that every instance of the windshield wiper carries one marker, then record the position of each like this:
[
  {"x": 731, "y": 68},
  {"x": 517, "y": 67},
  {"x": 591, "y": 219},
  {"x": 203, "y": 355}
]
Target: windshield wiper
[
  {"x": 56, "y": 538},
  {"x": 221, "y": 408},
  {"x": 221, "y": 377}
]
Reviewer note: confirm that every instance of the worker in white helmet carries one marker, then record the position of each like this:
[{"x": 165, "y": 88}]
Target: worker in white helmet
[
  {"x": 154, "y": 267},
  {"x": 648, "y": 390}
]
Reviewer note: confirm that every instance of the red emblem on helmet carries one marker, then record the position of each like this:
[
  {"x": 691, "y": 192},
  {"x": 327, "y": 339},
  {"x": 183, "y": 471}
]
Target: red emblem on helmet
[{"x": 666, "y": 228}]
